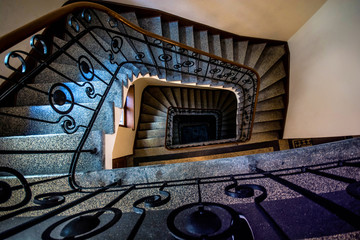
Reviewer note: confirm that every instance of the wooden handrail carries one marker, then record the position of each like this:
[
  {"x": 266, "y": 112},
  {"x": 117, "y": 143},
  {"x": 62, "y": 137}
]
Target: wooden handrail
[
  {"x": 35, "y": 26},
  {"x": 31, "y": 28}
]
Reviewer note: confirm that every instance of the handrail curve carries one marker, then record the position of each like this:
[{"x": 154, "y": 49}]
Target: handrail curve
[{"x": 69, "y": 124}]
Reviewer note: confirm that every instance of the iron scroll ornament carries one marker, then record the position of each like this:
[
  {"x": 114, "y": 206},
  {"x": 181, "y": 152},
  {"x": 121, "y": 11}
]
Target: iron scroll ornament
[{"x": 6, "y": 192}]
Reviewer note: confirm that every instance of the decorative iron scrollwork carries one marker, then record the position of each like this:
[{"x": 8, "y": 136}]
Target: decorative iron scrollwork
[
  {"x": 74, "y": 24},
  {"x": 15, "y": 54},
  {"x": 86, "y": 68},
  {"x": 6, "y": 192},
  {"x": 59, "y": 95},
  {"x": 83, "y": 225},
  {"x": 34, "y": 43},
  {"x": 116, "y": 44},
  {"x": 86, "y": 15}
]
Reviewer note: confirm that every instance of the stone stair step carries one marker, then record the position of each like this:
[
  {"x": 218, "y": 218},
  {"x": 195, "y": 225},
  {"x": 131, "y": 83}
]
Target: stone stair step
[
  {"x": 14, "y": 126},
  {"x": 270, "y": 104},
  {"x": 131, "y": 17},
  {"x": 201, "y": 40},
  {"x": 263, "y": 137},
  {"x": 253, "y": 54},
  {"x": 191, "y": 93},
  {"x": 171, "y": 30},
  {"x": 186, "y": 98},
  {"x": 155, "y": 133},
  {"x": 77, "y": 48},
  {"x": 210, "y": 99},
  {"x": 177, "y": 96},
  {"x": 215, "y": 45},
  {"x": 151, "y": 118},
  {"x": 266, "y": 126},
  {"x": 240, "y": 49},
  {"x": 75, "y": 51},
  {"x": 168, "y": 94},
  {"x": 150, "y": 142},
  {"x": 56, "y": 72},
  {"x": 222, "y": 101},
  {"x": 204, "y": 101},
  {"x": 198, "y": 103},
  {"x": 155, "y": 102},
  {"x": 137, "y": 46},
  {"x": 152, "y": 111},
  {"x": 274, "y": 90},
  {"x": 129, "y": 44},
  {"x": 156, "y": 93},
  {"x": 34, "y": 164},
  {"x": 268, "y": 58},
  {"x": 268, "y": 116},
  {"x": 186, "y": 36},
  {"x": 227, "y": 49},
  {"x": 153, "y": 24},
  {"x": 153, "y": 125},
  {"x": 28, "y": 96},
  {"x": 276, "y": 73}
]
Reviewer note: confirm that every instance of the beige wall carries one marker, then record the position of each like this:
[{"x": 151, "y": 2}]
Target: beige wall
[
  {"x": 272, "y": 19},
  {"x": 16, "y": 13},
  {"x": 325, "y": 73},
  {"x": 125, "y": 137}
]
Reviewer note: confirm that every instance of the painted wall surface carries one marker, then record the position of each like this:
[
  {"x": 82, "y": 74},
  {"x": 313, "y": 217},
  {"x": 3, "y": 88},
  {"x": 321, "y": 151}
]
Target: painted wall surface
[
  {"x": 16, "y": 13},
  {"x": 275, "y": 19},
  {"x": 125, "y": 137},
  {"x": 325, "y": 73}
]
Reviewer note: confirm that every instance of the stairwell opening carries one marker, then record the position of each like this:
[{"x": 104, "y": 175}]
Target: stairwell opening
[{"x": 180, "y": 117}]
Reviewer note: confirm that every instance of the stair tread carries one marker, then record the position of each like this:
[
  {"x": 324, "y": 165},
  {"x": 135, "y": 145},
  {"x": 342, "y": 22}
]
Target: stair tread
[
  {"x": 59, "y": 72},
  {"x": 155, "y": 101},
  {"x": 276, "y": 73},
  {"x": 186, "y": 36},
  {"x": 215, "y": 45},
  {"x": 153, "y": 133},
  {"x": 227, "y": 49},
  {"x": 274, "y": 90},
  {"x": 171, "y": 30},
  {"x": 151, "y": 110},
  {"x": 152, "y": 126},
  {"x": 47, "y": 163},
  {"x": 30, "y": 97},
  {"x": 240, "y": 48},
  {"x": 150, "y": 142},
  {"x": 270, "y": 104},
  {"x": 263, "y": 137},
  {"x": 11, "y": 126},
  {"x": 268, "y": 116},
  {"x": 268, "y": 58},
  {"x": 266, "y": 126},
  {"x": 253, "y": 54}
]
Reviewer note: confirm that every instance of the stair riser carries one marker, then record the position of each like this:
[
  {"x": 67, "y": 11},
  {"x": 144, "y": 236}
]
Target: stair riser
[
  {"x": 11, "y": 126},
  {"x": 33, "y": 164},
  {"x": 28, "y": 97}
]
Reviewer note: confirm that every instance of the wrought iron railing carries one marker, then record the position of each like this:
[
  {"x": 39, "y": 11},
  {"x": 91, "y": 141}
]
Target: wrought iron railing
[
  {"x": 94, "y": 33},
  {"x": 190, "y": 214}
]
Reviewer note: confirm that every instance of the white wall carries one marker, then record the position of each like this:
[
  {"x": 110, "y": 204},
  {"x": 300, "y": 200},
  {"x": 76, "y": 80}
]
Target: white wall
[{"x": 325, "y": 73}]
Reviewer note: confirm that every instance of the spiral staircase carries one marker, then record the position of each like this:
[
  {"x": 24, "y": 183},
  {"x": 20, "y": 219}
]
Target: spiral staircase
[
  {"x": 31, "y": 131},
  {"x": 62, "y": 101}
]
